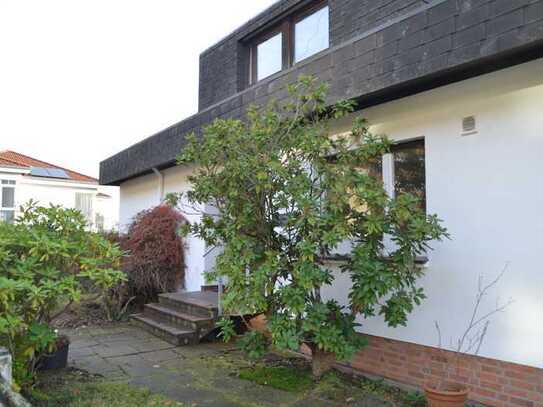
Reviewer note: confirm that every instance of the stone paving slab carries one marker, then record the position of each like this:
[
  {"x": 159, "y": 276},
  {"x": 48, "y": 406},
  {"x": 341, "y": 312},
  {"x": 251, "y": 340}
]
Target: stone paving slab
[{"x": 200, "y": 376}]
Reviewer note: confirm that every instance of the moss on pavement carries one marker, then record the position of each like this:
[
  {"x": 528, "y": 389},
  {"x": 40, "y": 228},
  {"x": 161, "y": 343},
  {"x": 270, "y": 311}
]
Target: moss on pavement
[{"x": 72, "y": 388}]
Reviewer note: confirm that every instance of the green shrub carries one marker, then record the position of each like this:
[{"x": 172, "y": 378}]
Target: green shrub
[
  {"x": 286, "y": 196},
  {"x": 48, "y": 259},
  {"x": 254, "y": 343}
]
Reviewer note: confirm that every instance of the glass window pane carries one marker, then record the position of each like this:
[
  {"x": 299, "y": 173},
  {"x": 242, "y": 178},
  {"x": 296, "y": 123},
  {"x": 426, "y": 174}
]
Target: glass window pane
[
  {"x": 7, "y": 216},
  {"x": 99, "y": 222},
  {"x": 311, "y": 35},
  {"x": 373, "y": 169},
  {"x": 8, "y": 197},
  {"x": 83, "y": 203},
  {"x": 410, "y": 170},
  {"x": 269, "y": 57}
]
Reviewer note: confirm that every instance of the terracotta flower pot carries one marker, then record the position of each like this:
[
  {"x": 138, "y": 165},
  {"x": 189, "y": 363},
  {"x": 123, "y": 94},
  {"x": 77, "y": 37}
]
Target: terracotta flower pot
[
  {"x": 450, "y": 396},
  {"x": 260, "y": 324}
]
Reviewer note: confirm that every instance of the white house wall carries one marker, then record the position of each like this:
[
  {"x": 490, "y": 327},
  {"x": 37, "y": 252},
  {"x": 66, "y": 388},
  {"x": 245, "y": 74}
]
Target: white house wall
[
  {"x": 486, "y": 188},
  {"x": 59, "y": 192},
  {"x": 45, "y": 193},
  {"x": 108, "y": 206},
  {"x": 137, "y": 195},
  {"x": 144, "y": 193}
]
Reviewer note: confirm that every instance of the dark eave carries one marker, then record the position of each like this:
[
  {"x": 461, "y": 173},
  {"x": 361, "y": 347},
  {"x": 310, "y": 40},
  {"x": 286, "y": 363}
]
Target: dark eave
[{"x": 433, "y": 45}]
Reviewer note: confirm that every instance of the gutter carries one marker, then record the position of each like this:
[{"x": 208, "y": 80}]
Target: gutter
[
  {"x": 160, "y": 184},
  {"x": 14, "y": 169}
]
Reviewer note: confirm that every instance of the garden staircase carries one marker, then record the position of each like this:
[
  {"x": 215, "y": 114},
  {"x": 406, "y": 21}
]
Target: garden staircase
[{"x": 180, "y": 318}]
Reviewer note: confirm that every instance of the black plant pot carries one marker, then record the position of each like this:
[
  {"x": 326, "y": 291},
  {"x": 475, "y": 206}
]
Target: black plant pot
[{"x": 55, "y": 360}]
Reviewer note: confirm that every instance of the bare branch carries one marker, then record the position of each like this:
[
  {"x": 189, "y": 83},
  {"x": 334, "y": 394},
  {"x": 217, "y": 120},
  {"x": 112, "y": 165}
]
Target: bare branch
[
  {"x": 469, "y": 341},
  {"x": 438, "y": 329},
  {"x": 482, "y": 292}
]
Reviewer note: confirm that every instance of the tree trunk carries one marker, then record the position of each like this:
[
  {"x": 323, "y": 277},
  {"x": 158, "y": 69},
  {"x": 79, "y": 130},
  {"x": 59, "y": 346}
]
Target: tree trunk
[{"x": 322, "y": 362}]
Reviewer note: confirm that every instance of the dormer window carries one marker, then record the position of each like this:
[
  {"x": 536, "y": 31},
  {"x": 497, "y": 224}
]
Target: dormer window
[
  {"x": 269, "y": 58},
  {"x": 299, "y": 37},
  {"x": 311, "y": 34}
]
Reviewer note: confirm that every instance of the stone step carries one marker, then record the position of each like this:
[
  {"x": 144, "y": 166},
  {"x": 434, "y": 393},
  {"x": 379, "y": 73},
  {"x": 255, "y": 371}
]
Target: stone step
[
  {"x": 173, "y": 335},
  {"x": 182, "y": 320},
  {"x": 199, "y": 304}
]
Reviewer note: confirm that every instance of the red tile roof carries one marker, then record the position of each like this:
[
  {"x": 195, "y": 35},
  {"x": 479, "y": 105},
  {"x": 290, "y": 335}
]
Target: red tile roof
[
  {"x": 13, "y": 159},
  {"x": 6, "y": 163}
]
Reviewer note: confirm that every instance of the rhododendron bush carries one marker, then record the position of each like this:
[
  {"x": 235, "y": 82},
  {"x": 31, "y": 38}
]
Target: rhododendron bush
[
  {"x": 48, "y": 261},
  {"x": 287, "y": 195}
]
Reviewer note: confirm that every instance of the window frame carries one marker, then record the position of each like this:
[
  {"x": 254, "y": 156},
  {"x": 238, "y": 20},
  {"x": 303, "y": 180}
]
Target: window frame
[
  {"x": 312, "y": 9},
  {"x": 254, "y": 52},
  {"x": 389, "y": 167},
  {"x": 287, "y": 28},
  {"x": 8, "y": 184}
]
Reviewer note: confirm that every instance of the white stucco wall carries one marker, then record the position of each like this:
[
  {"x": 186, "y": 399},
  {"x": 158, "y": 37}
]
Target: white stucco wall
[
  {"x": 144, "y": 193},
  {"x": 137, "y": 195},
  {"x": 61, "y": 192},
  {"x": 485, "y": 187}
]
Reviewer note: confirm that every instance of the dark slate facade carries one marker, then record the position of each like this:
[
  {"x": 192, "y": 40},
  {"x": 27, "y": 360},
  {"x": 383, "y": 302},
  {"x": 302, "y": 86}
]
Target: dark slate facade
[{"x": 380, "y": 50}]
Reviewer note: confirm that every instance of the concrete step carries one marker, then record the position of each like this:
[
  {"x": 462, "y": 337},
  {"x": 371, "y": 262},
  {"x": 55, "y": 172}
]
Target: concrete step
[
  {"x": 203, "y": 304},
  {"x": 170, "y": 334},
  {"x": 176, "y": 318}
]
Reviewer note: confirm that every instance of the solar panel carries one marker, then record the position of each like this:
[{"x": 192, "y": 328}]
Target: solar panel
[
  {"x": 49, "y": 173},
  {"x": 39, "y": 172},
  {"x": 57, "y": 173}
]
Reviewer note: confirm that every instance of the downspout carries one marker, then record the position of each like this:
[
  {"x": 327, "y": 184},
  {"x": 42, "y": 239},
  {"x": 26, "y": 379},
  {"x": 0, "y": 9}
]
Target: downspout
[{"x": 160, "y": 185}]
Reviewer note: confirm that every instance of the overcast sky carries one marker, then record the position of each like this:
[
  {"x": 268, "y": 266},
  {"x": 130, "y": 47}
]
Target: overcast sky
[{"x": 83, "y": 79}]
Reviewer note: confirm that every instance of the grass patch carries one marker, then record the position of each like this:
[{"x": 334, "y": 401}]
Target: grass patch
[
  {"x": 394, "y": 394},
  {"x": 340, "y": 387},
  {"x": 279, "y": 377},
  {"x": 294, "y": 375},
  {"x": 73, "y": 388}
]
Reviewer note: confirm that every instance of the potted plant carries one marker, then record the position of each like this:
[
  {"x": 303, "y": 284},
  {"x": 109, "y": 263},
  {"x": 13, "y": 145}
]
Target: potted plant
[
  {"x": 58, "y": 357},
  {"x": 446, "y": 392}
]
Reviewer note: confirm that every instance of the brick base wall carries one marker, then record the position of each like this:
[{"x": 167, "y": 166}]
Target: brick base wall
[{"x": 491, "y": 382}]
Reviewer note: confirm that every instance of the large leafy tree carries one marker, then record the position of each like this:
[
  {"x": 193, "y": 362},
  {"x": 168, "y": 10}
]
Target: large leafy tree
[{"x": 286, "y": 195}]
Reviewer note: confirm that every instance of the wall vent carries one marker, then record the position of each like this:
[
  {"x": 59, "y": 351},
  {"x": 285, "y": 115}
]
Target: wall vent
[{"x": 469, "y": 125}]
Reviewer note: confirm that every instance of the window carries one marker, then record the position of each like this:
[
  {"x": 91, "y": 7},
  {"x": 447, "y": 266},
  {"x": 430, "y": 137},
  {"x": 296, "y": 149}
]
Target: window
[
  {"x": 299, "y": 37},
  {"x": 83, "y": 203},
  {"x": 410, "y": 169},
  {"x": 269, "y": 56},
  {"x": 7, "y": 201},
  {"x": 403, "y": 170},
  {"x": 99, "y": 222},
  {"x": 311, "y": 35}
]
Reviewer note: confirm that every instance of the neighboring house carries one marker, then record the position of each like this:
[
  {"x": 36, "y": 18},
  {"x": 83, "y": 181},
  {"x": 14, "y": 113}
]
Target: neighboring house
[
  {"x": 458, "y": 85},
  {"x": 25, "y": 178}
]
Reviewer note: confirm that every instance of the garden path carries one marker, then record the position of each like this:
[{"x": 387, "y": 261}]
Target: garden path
[{"x": 205, "y": 375}]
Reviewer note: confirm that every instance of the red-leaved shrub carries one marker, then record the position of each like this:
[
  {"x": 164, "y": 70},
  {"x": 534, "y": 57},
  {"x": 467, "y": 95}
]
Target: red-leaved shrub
[{"x": 154, "y": 261}]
